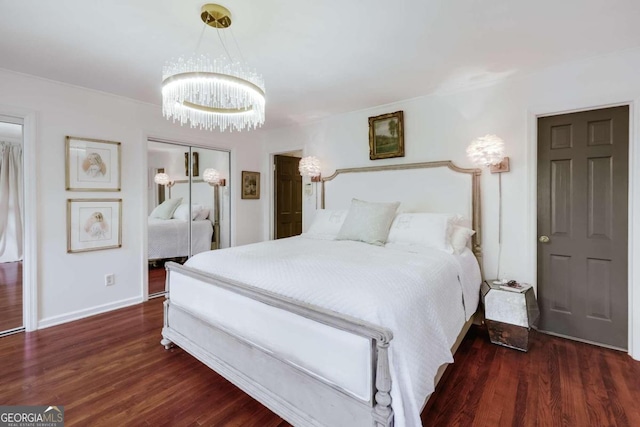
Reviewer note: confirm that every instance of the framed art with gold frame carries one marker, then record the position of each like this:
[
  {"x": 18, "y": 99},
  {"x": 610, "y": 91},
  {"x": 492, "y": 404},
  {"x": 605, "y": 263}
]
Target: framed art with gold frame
[
  {"x": 92, "y": 164},
  {"x": 250, "y": 185},
  {"x": 386, "y": 136},
  {"x": 93, "y": 224}
]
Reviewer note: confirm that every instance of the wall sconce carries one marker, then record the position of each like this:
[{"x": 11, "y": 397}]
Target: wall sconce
[
  {"x": 163, "y": 179},
  {"x": 213, "y": 177},
  {"x": 310, "y": 166},
  {"x": 488, "y": 151}
]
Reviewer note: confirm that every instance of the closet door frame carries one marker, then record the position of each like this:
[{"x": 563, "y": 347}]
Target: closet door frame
[{"x": 189, "y": 146}]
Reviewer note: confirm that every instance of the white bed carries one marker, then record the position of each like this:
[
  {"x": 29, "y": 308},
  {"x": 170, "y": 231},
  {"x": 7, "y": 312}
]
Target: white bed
[
  {"x": 335, "y": 333},
  {"x": 169, "y": 238}
]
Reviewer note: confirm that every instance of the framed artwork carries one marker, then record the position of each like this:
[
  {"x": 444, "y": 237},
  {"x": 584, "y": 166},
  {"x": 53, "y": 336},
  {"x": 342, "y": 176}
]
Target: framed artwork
[
  {"x": 196, "y": 164},
  {"x": 93, "y": 224},
  {"x": 386, "y": 136},
  {"x": 250, "y": 185},
  {"x": 92, "y": 164}
]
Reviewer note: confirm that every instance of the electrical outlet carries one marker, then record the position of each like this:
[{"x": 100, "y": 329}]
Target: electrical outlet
[{"x": 109, "y": 279}]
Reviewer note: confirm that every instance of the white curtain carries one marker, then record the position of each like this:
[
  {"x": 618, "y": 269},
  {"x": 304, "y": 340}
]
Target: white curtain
[{"x": 11, "y": 244}]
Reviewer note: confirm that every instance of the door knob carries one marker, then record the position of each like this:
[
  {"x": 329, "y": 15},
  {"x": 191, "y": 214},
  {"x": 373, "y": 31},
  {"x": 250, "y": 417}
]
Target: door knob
[{"x": 544, "y": 239}]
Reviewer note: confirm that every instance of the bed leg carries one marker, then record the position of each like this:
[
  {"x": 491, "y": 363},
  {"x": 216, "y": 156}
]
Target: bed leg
[
  {"x": 166, "y": 343},
  {"x": 383, "y": 415}
]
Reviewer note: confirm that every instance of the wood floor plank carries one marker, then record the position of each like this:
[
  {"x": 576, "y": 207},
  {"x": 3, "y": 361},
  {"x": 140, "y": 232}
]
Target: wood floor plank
[{"x": 111, "y": 370}]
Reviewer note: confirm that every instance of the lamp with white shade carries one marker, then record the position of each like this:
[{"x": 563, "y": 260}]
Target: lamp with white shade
[
  {"x": 488, "y": 151},
  {"x": 310, "y": 167},
  {"x": 214, "y": 178},
  {"x": 164, "y": 179}
]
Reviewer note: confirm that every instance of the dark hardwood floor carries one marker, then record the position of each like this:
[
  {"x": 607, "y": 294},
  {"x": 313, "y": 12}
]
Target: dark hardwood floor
[
  {"x": 10, "y": 295},
  {"x": 111, "y": 370}
]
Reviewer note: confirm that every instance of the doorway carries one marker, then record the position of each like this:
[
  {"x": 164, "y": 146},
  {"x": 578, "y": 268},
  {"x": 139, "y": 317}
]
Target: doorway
[
  {"x": 11, "y": 225},
  {"x": 287, "y": 195},
  {"x": 583, "y": 225}
]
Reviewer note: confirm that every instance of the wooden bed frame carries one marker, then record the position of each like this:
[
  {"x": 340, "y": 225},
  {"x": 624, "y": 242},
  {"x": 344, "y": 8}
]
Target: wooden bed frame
[{"x": 297, "y": 395}]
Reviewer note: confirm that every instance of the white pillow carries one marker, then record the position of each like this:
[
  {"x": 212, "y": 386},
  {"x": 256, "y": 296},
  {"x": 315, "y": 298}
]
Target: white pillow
[
  {"x": 203, "y": 214},
  {"x": 326, "y": 224},
  {"x": 182, "y": 212},
  {"x": 166, "y": 209},
  {"x": 460, "y": 238},
  {"x": 368, "y": 222},
  {"x": 430, "y": 230}
]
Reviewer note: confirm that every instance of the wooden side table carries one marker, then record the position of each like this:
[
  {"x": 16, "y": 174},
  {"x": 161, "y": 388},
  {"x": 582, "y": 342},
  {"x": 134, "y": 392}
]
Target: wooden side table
[{"x": 509, "y": 315}]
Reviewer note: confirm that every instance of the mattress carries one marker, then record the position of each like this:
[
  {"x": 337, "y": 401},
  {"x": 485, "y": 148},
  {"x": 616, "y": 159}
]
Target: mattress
[
  {"x": 424, "y": 299},
  {"x": 170, "y": 238}
]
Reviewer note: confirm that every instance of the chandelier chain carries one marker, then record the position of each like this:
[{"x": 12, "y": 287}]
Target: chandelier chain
[
  {"x": 224, "y": 46},
  {"x": 233, "y": 36},
  {"x": 204, "y": 26}
]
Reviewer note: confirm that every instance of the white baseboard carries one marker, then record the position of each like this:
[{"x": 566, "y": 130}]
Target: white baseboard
[{"x": 81, "y": 314}]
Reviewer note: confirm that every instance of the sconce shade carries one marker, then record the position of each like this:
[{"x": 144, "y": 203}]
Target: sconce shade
[
  {"x": 162, "y": 179},
  {"x": 309, "y": 166},
  {"x": 211, "y": 176},
  {"x": 486, "y": 151}
]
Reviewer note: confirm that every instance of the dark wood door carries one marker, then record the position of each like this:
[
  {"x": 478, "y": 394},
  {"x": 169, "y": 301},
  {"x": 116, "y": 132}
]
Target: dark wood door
[
  {"x": 288, "y": 197},
  {"x": 582, "y": 210}
]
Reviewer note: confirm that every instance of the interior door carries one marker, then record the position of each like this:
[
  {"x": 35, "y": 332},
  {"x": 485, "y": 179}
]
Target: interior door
[
  {"x": 288, "y": 197},
  {"x": 582, "y": 225}
]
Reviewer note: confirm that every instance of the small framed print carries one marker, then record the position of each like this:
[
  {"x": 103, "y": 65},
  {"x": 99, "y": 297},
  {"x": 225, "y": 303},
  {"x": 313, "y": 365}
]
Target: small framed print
[
  {"x": 386, "y": 136},
  {"x": 92, "y": 164},
  {"x": 250, "y": 185},
  {"x": 93, "y": 224}
]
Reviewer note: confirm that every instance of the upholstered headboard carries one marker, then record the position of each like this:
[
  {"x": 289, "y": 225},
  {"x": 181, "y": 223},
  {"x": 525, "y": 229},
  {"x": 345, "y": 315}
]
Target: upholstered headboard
[{"x": 440, "y": 187}]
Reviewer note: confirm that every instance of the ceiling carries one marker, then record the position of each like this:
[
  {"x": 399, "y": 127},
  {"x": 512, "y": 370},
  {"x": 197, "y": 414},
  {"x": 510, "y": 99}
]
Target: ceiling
[{"x": 318, "y": 58}]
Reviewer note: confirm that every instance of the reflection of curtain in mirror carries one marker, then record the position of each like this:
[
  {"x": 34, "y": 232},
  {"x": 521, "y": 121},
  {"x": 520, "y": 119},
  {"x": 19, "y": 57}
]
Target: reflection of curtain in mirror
[{"x": 10, "y": 203}]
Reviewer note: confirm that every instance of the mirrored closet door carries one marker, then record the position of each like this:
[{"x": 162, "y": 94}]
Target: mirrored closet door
[{"x": 188, "y": 205}]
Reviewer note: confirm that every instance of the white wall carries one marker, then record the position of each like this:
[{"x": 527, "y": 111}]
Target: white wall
[
  {"x": 439, "y": 127},
  {"x": 72, "y": 285}
]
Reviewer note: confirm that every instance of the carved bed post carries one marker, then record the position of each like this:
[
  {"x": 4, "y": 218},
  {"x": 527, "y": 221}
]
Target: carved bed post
[
  {"x": 383, "y": 415},
  {"x": 165, "y": 342}
]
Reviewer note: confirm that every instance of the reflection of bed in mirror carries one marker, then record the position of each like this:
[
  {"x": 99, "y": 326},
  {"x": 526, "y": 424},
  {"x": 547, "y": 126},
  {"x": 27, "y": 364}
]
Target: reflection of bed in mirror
[{"x": 169, "y": 238}]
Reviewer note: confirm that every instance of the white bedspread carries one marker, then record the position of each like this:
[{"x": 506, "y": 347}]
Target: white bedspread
[
  {"x": 168, "y": 238},
  {"x": 419, "y": 297}
]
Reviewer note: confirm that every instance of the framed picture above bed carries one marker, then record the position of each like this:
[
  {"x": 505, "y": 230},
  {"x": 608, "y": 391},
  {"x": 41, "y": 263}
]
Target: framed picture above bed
[
  {"x": 93, "y": 224},
  {"x": 386, "y": 136},
  {"x": 250, "y": 185},
  {"x": 92, "y": 164}
]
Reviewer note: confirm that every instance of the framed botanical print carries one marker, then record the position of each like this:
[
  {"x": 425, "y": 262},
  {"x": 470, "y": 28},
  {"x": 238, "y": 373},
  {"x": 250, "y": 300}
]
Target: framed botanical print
[
  {"x": 92, "y": 164},
  {"x": 250, "y": 185},
  {"x": 386, "y": 136},
  {"x": 93, "y": 224}
]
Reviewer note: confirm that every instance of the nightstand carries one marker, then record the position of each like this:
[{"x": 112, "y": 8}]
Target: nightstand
[{"x": 509, "y": 316}]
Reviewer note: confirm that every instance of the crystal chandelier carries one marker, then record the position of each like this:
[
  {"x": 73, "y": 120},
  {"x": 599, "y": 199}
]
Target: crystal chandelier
[{"x": 213, "y": 93}]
